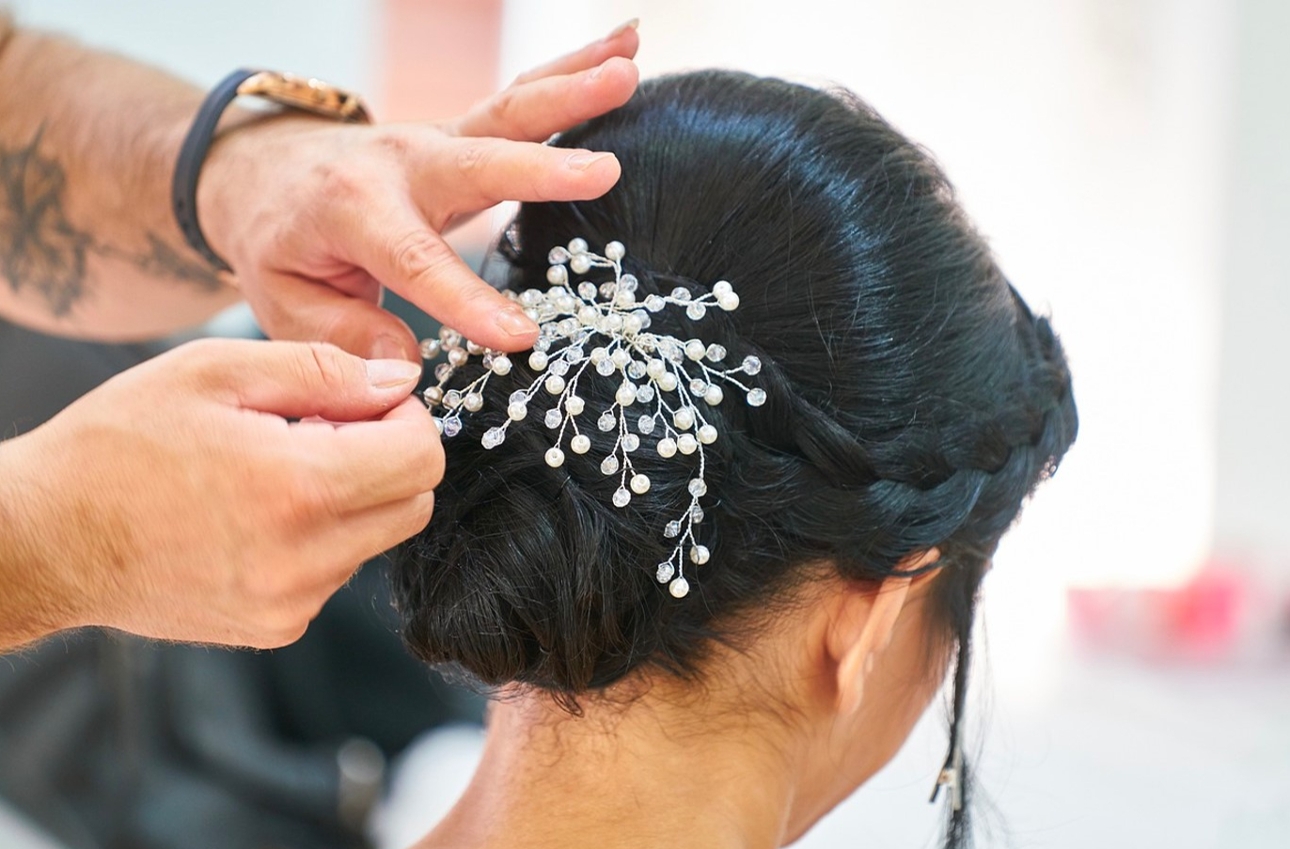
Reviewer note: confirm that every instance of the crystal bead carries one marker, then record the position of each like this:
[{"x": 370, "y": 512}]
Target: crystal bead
[
  {"x": 631, "y": 442},
  {"x": 607, "y": 289},
  {"x": 451, "y": 427},
  {"x": 538, "y": 360},
  {"x": 667, "y": 447},
  {"x": 694, "y": 349},
  {"x": 587, "y": 290},
  {"x": 554, "y": 384},
  {"x": 621, "y": 497},
  {"x": 645, "y": 425},
  {"x": 673, "y": 529},
  {"x": 665, "y": 572},
  {"x": 654, "y": 303},
  {"x": 687, "y": 444},
  {"x": 751, "y": 365},
  {"x": 716, "y": 353},
  {"x": 574, "y": 405},
  {"x": 713, "y": 395},
  {"x": 557, "y": 255},
  {"x": 438, "y": 424},
  {"x": 430, "y": 348},
  {"x": 554, "y": 458},
  {"x": 517, "y": 411},
  {"x": 628, "y": 282},
  {"x": 501, "y": 365},
  {"x": 645, "y": 394},
  {"x": 553, "y": 418},
  {"x": 568, "y": 326},
  {"x": 474, "y": 402},
  {"x": 696, "y": 514},
  {"x": 474, "y": 348},
  {"x": 442, "y": 372},
  {"x": 559, "y": 368},
  {"x": 607, "y": 422},
  {"x": 635, "y": 369},
  {"x": 640, "y": 484},
  {"x": 679, "y": 588},
  {"x": 452, "y": 398},
  {"x": 587, "y": 314},
  {"x": 707, "y": 434},
  {"x": 699, "y": 555},
  {"x": 696, "y": 310},
  {"x": 449, "y": 337},
  {"x": 698, "y": 386},
  {"x": 543, "y": 344},
  {"x": 697, "y": 487},
  {"x": 530, "y": 298},
  {"x": 574, "y": 354},
  {"x": 519, "y": 396},
  {"x": 680, "y": 293},
  {"x": 605, "y": 367},
  {"x": 615, "y": 251},
  {"x": 756, "y": 397},
  {"x": 609, "y": 465},
  {"x": 493, "y": 437},
  {"x": 580, "y": 444},
  {"x": 598, "y": 355},
  {"x": 683, "y": 418}
]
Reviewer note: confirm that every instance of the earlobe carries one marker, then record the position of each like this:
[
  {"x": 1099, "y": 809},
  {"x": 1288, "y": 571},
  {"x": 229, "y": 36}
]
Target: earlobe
[{"x": 869, "y": 631}]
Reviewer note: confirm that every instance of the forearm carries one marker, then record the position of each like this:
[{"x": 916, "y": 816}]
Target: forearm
[{"x": 88, "y": 247}]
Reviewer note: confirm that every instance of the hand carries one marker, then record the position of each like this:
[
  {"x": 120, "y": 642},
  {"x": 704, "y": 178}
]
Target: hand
[
  {"x": 177, "y": 501},
  {"x": 314, "y": 216}
]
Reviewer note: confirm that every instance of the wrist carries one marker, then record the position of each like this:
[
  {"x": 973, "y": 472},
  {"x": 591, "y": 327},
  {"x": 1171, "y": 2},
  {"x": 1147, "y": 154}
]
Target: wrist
[{"x": 39, "y": 592}]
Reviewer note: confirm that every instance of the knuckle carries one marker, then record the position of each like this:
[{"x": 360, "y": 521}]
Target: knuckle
[
  {"x": 327, "y": 365},
  {"x": 339, "y": 182},
  {"x": 503, "y": 104},
  {"x": 474, "y": 157},
  {"x": 397, "y": 144},
  {"x": 417, "y": 255}
]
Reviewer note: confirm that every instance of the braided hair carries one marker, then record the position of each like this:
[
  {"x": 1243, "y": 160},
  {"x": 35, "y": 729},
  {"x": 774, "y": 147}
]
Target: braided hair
[{"x": 913, "y": 399}]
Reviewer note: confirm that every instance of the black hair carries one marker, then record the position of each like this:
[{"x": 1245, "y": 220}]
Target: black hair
[{"x": 913, "y": 398}]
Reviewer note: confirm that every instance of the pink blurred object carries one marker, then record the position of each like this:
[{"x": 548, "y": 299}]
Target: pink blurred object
[{"x": 1226, "y": 613}]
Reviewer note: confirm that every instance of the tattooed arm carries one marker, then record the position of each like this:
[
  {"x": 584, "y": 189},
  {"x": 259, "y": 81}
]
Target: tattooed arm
[
  {"x": 313, "y": 216},
  {"x": 87, "y": 244}
]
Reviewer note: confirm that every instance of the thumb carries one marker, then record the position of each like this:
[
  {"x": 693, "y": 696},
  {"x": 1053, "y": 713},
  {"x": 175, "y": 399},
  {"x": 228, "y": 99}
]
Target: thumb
[
  {"x": 299, "y": 379},
  {"x": 306, "y": 311}
]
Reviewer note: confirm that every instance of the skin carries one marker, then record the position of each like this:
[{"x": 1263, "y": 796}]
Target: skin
[
  {"x": 769, "y": 740},
  {"x": 181, "y": 500}
]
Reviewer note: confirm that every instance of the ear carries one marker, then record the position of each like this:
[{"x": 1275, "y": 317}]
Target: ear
[{"x": 865, "y": 626}]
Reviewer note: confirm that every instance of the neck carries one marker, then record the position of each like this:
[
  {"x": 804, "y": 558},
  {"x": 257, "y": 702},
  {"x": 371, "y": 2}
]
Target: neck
[{"x": 650, "y": 773}]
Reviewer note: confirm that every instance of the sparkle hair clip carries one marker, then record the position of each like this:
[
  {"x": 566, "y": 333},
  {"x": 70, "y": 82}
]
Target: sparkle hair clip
[{"x": 595, "y": 332}]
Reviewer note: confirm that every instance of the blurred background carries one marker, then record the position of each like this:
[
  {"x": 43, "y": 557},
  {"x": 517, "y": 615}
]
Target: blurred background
[{"x": 1127, "y": 160}]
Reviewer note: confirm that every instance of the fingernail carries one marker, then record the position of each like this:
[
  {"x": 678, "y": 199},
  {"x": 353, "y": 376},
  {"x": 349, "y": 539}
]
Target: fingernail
[
  {"x": 388, "y": 348},
  {"x": 622, "y": 28},
  {"x": 514, "y": 322},
  {"x": 389, "y": 373},
  {"x": 585, "y": 159}
]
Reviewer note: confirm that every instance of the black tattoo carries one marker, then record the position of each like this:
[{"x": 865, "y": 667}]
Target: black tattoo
[
  {"x": 41, "y": 250},
  {"x": 39, "y": 247}
]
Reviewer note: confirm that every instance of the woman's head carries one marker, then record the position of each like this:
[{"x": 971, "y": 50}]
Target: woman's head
[{"x": 913, "y": 400}]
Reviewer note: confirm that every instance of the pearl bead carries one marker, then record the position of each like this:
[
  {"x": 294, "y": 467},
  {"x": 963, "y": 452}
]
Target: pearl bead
[
  {"x": 687, "y": 444},
  {"x": 699, "y": 555},
  {"x": 640, "y": 484},
  {"x": 756, "y": 397},
  {"x": 580, "y": 444},
  {"x": 580, "y": 264},
  {"x": 537, "y": 360},
  {"x": 457, "y": 357},
  {"x": 433, "y": 396},
  {"x": 575, "y": 405},
  {"x": 557, "y": 256},
  {"x": 501, "y": 366},
  {"x": 615, "y": 251},
  {"x": 517, "y": 412},
  {"x": 554, "y": 384},
  {"x": 554, "y": 458},
  {"x": 713, "y": 395},
  {"x": 667, "y": 447},
  {"x": 694, "y": 349},
  {"x": 626, "y": 394},
  {"x": 474, "y": 402},
  {"x": 679, "y": 588},
  {"x": 577, "y": 246},
  {"x": 430, "y": 348},
  {"x": 707, "y": 434},
  {"x": 683, "y": 418}
]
